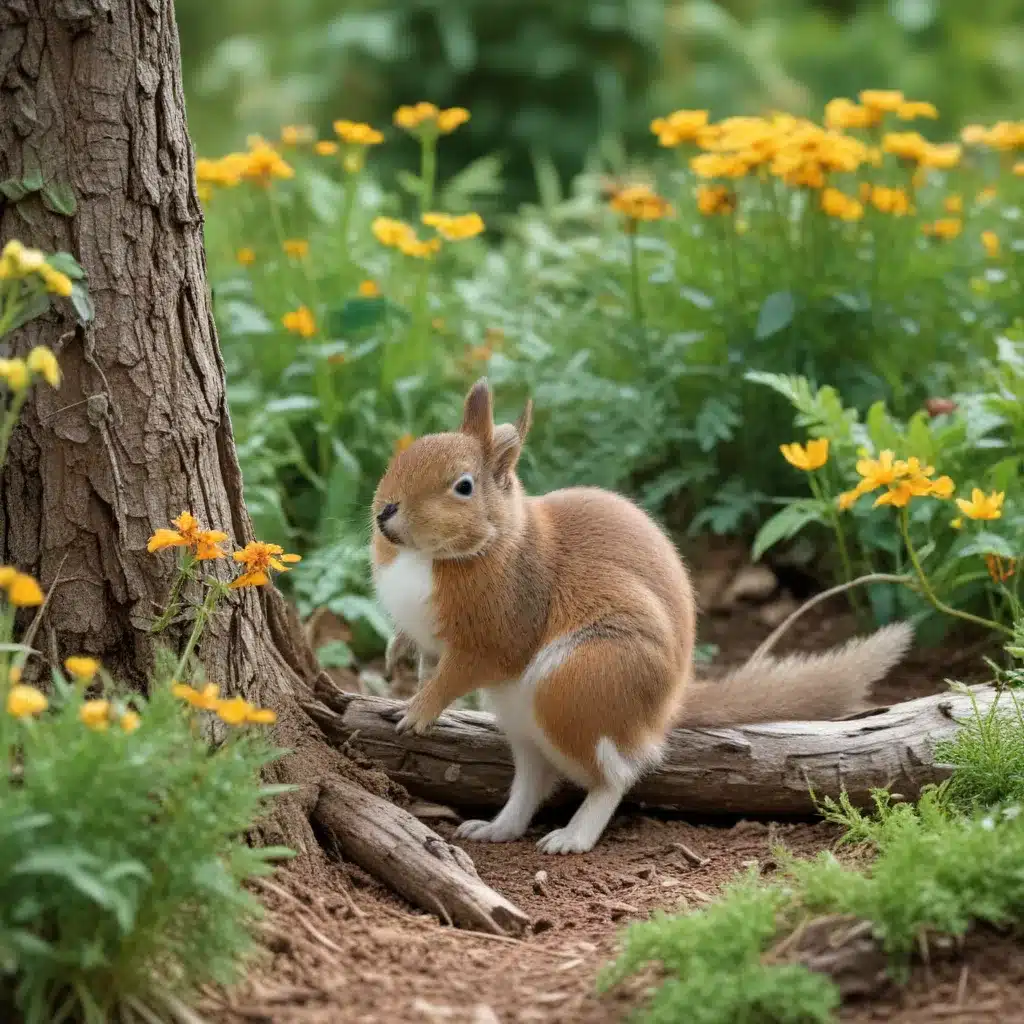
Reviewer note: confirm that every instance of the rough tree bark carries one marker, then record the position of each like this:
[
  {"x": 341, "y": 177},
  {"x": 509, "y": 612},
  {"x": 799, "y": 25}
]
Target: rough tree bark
[{"x": 92, "y": 107}]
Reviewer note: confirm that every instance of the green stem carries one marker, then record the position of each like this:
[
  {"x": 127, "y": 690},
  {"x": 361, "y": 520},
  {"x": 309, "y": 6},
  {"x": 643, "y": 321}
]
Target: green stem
[
  {"x": 202, "y": 618},
  {"x": 10, "y": 420},
  {"x": 171, "y": 609},
  {"x": 926, "y": 587},
  {"x": 833, "y": 514},
  {"x": 351, "y": 192},
  {"x": 428, "y": 170},
  {"x": 634, "y": 272}
]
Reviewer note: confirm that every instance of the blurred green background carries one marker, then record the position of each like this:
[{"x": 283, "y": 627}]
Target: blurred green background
[{"x": 546, "y": 78}]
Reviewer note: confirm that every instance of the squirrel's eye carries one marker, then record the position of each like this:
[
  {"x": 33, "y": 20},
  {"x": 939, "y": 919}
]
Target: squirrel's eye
[{"x": 463, "y": 487}]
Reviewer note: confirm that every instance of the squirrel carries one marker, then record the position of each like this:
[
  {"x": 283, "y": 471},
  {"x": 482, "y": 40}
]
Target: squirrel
[{"x": 575, "y": 614}]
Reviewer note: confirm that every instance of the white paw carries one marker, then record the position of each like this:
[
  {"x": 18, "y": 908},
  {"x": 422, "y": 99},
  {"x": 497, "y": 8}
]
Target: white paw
[
  {"x": 409, "y": 722},
  {"x": 564, "y": 840},
  {"x": 486, "y": 832}
]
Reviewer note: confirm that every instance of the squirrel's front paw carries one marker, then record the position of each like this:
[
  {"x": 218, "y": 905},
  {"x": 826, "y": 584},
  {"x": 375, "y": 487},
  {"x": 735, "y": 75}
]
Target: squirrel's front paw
[
  {"x": 399, "y": 647},
  {"x": 415, "y": 719}
]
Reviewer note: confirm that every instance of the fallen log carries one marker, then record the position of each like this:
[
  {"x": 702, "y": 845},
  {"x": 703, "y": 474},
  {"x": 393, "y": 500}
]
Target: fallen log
[
  {"x": 766, "y": 769},
  {"x": 413, "y": 859}
]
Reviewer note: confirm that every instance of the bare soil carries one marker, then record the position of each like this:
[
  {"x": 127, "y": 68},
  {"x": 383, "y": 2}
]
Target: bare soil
[{"x": 349, "y": 951}]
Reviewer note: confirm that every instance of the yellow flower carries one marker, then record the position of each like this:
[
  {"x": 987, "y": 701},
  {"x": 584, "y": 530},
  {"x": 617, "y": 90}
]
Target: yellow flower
[
  {"x": 943, "y": 487},
  {"x": 987, "y": 194},
  {"x": 412, "y": 117},
  {"x": 391, "y": 232},
  {"x": 973, "y": 134},
  {"x": 842, "y": 113},
  {"x": 814, "y": 456},
  {"x": 640, "y": 202},
  {"x": 325, "y": 147},
  {"x": 879, "y": 472},
  {"x": 455, "y": 229},
  {"x": 205, "y": 699},
  {"x": 905, "y": 145},
  {"x": 890, "y": 200},
  {"x": 82, "y": 668},
  {"x": 295, "y": 247},
  {"x": 954, "y": 203},
  {"x": 23, "y": 701},
  {"x": 1018, "y": 168},
  {"x": 990, "y": 240},
  {"x": 838, "y": 204},
  {"x": 239, "y": 711},
  {"x": 14, "y": 674},
  {"x": 910, "y": 110},
  {"x": 369, "y": 289},
  {"x": 130, "y": 721},
  {"x": 23, "y": 591},
  {"x": 945, "y": 227},
  {"x": 403, "y": 442},
  {"x": 14, "y": 372},
  {"x": 296, "y": 134},
  {"x": 715, "y": 199},
  {"x": 55, "y": 281},
  {"x": 202, "y": 543},
  {"x": 300, "y": 321},
  {"x": 680, "y": 126},
  {"x": 355, "y": 133},
  {"x": 450, "y": 119},
  {"x": 943, "y": 156},
  {"x": 981, "y": 505},
  {"x": 884, "y": 100},
  {"x": 957, "y": 524},
  {"x": 95, "y": 714},
  {"x": 258, "y": 557},
  {"x": 43, "y": 362},
  {"x": 848, "y": 499},
  {"x": 246, "y": 256},
  {"x": 261, "y": 164}
]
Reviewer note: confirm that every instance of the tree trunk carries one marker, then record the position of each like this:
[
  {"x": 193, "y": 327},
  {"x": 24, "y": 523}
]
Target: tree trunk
[{"x": 95, "y": 159}]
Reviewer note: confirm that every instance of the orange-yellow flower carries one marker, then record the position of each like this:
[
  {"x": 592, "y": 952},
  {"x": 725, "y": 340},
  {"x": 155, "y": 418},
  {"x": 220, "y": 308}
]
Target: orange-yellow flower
[
  {"x": 42, "y": 362},
  {"x": 296, "y": 134},
  {"x": 990, "y": 240},
  {"x": 130, "y": 721},
  {"x": 680, "y": 126},
  {"x": 300, "y": 321},
  {"x": 455, "y": 229},
  {"x": 369, "y": 289},
  {"x": 839, "y": 204},
  {"x": 295, "y": 247},
  {"x": 95, "y": 714},
  {"x": 982, "y": 505},
  {"x": 640, "y": 202},
  {"x": 82, "y": 668},
  {"x": 22, "y": 589},
  {"x": 890, "y": 200},
  {"x": 954, "y": 203},
  {"x": 204, "y": 544},
  {"x": 355, "y": 133},
  {"x": 450, "y": 119},
  {"x": 24, "y": 701},
  {"x": 905, "y": 145},
  {"x": 943, "y": 156},
  {"x": 715, "y": 199},
  {"x": 403, "y": 442},
  {"x": 944, "y": 227},
  {"x": 246, "y": 256},
  {"x": 205, "y": 699},
  {"x": 259, "y": 557},
  {"x": 325, "y": 147},
  {"x": 910, "y": 110},
  {"x": 814, "y": 456},
  {"x": 884, "y": 100},
  {"x": 427, "y": 116},
  {"x": 842, "y": 113},
  {"x": 391, "y": 232},
  {"x": 238, "y": 711}
]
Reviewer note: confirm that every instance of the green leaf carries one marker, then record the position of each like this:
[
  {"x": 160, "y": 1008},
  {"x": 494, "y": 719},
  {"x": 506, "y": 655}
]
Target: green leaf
[
  {"x": 776, "y": 314},
  {"x": 478, "y": 178},
  {"x": 715, "y": 422},
  {"x": 82, "y": 303},
  {"x": 986, "y": 543},
  {"x": 37, "y": 303},
  {"x": 33, "y": 180},
  {"x": 60, "y": 198},
  {"x": 355, "y": 610},
  {"x": 13, "y": 190},
  {"x": 410, "y": 183},
  {"x": 787, "y": 523},
  {"x": 67, "y": 265},
  {"x": 882, "y": 430},
  {"x": 292, "y": 404},
  {"x": 358, "y": 314},
  {"x": 335, "y": 654}
]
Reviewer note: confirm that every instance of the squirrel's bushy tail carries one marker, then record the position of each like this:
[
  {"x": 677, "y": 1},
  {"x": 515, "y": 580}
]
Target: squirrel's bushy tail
[{"x": 799, "y": 687}]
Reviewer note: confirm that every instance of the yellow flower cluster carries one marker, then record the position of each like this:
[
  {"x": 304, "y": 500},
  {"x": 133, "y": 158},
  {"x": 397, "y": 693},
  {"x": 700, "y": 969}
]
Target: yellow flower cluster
[
  {"x": 914, "y": 148},
  {"x": 300, "y": 321},
  {"x": 839, "y": 204},
  {"x": 427, "y": 117},
  {"x": 204, "y": 544},
  {"x": 715, "y": 199},
  {"x": 297, "y": 134},
  {"x": 97, "y": 715},
  {"x": 17, "y": 374},
  {"x": 258, "y": 557},
  {"x": 894, "y": 201},
  {"x": 1005, "y": 136},
  {"x": 297, "y": 248},
  {"x": 260, "y": 163},
  {"x": 21, "y": 589},
  {"x": 808, "y": 458},
  {"x": 235, "y": 711},
  {"x": 82, "y": 668},
  {"x": 680, "y": 126},
  {"x": 903, "y": 480},
  {"x": 18, "y": 263},
  {"x": 455, "y": 229},
  {"x": 355, "y": 133},
  {"x": 944, "y": 227},
  {"x": 640, "y": 202},
  {"x": 25, "y": 701},
  {"x": 396, "y": 234}
]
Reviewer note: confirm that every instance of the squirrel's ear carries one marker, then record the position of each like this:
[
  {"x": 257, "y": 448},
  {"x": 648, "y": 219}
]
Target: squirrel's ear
[
  {"x": 508, "y": 443},
  {"x": 477, "y": 416}
]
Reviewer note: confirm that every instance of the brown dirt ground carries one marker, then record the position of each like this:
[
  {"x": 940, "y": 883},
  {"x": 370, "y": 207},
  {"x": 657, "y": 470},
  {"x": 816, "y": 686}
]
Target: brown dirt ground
[{"x": 351, "y": 951}]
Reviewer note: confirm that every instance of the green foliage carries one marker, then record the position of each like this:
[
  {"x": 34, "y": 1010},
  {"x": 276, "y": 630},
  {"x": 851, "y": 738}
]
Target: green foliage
[
  {"x": 712, "y": 960},
  {"x": 122, "y": 857}
]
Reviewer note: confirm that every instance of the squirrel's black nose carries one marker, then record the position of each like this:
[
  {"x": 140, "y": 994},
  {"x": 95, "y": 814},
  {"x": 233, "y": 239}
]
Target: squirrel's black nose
[{"x": 386, "y": 513}]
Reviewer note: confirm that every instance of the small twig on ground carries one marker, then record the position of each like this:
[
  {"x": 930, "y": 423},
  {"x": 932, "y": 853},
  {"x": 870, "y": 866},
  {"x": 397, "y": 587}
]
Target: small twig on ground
[
  {"x": 961, "y": 986},
  {"x": 691, "y": 855}
]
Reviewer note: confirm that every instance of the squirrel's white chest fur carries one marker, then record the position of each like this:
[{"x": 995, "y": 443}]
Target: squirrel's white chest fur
[{"x": 405, "y": 588}]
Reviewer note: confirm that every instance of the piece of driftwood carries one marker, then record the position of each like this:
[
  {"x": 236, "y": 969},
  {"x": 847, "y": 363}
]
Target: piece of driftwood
[
  {"x": 769, "y": 769},
  {"x": 413, "y": 859}
]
